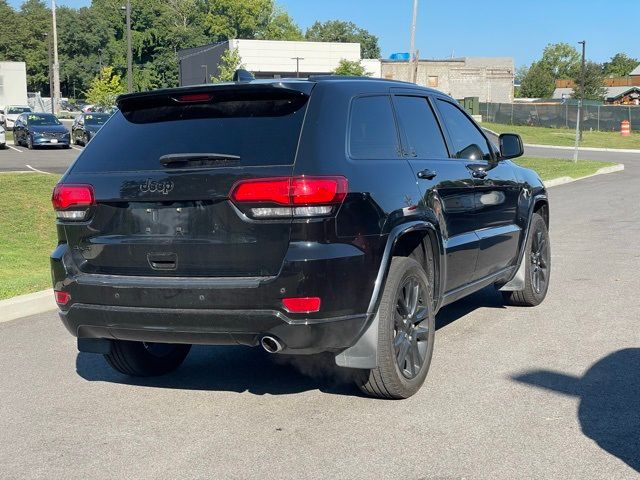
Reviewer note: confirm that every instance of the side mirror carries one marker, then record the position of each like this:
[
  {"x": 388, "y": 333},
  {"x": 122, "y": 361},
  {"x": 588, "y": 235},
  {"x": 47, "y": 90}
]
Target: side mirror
[{"x": 511, "y": 146}]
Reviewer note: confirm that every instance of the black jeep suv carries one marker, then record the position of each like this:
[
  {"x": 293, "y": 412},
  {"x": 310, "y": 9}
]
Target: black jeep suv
[{"x": 319, "y": 215}]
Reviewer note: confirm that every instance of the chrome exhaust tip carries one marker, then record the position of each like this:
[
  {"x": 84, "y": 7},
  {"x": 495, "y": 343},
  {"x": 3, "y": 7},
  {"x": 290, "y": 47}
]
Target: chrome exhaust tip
[{"x": 271, "y": 344}]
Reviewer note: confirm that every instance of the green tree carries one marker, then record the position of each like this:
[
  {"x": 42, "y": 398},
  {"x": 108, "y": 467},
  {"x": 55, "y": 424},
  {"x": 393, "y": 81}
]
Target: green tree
[
  {"x": 350, "y": 68},
  {"x": 561, "y": 60},
  {"x": 105, "y": 88},
  {"x": 280, "y": 26},
  {"x": 594, "y": 88},
  {"x": 230, "y": 61},
  {"x": 227, "y": 19},
  {"x": 620, "y": 65},
  {"x": 538, "y": 82},
  {"x": 339, "y": 31}
]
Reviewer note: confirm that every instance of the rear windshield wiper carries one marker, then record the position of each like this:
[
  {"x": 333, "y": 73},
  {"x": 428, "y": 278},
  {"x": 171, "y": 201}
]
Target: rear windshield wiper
[{"x": 177, "y": 160}]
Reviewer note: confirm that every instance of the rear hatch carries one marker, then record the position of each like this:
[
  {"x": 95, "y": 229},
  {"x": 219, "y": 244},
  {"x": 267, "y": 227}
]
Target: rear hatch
[{"x": 162, "y": 170}]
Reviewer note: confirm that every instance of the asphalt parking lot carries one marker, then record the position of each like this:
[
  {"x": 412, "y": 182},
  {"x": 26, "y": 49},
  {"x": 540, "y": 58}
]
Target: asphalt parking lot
[{"x": 46, "y": 159}]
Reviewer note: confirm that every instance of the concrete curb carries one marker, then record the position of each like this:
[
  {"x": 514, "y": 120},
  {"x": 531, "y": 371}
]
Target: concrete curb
[
  {"x": 25, "y": 305},
  {"x": 603, "y": 171},
  {"x": 585, "y": 149}
]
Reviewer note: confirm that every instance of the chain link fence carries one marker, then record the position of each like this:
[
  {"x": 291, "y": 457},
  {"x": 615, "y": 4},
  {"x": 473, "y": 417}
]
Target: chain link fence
[{"x": 594, "y": 117}]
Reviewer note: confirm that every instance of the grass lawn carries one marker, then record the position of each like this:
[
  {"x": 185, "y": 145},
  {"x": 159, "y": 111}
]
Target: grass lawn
[
  {"x": 567, "y": 137},
  {"x": 549, "y": 168},
  {"x": 27, "y": 232}
]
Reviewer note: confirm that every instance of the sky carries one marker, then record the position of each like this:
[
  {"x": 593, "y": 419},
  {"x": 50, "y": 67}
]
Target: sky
[{"x": 510, "y": 28}]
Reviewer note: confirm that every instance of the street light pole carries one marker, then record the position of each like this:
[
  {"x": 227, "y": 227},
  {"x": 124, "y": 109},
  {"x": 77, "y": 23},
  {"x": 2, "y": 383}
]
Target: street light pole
[
  {"x": 580, "y": 100},
  {"x": 206, "y": 73},
  {"x": 414, "y": 59},
  {"x": 56, "y": 65},
  {"x": 297, "y": 59}
]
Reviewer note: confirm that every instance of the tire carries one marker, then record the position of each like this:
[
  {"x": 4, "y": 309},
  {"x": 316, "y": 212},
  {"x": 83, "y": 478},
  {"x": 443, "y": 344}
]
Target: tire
[
  {"x": 394, "y": 378},
  {"x": 140, "y": 359},
  {"x": 85, "y": 139},
  {"x": 30, "y": 142},
  {"x": 537, "y": 267}
]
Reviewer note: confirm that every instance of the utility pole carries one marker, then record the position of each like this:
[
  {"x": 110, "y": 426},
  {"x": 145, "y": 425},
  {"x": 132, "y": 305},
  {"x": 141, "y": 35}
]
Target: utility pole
[
  {"x": 206, "y": 73},
  {"x": 56, "y": 65},
  {"x": 580, "y": 100},
  {"x": 414, "y": 57},
  {"x": 127, "y": 11},
  {"x": 48, "y": 37},
  {"x": 100, "y": 61},
  {"x": 297, "y": 59},
  {"x": 129, "y": 51}
]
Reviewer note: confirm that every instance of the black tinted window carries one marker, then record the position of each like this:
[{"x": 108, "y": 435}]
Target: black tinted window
[
  {"x": 467, "y": 140},
  {"x": 261, "y": 129},
  {"x": 372, "y": 133},
  {"x": 420, "y": 128}
]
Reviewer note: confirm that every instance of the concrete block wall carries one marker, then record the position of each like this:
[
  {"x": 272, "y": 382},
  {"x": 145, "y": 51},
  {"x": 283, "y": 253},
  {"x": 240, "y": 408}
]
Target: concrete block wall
[{"x": 490, "y": 78}]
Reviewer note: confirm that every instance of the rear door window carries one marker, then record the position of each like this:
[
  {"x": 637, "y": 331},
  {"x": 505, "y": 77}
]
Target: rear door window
[
  {"x": 468, "y": 142},
  {"x": 262, "y": 128},
  {"x": 372, "y": 129},
  {"x": 422, "y": 133}
]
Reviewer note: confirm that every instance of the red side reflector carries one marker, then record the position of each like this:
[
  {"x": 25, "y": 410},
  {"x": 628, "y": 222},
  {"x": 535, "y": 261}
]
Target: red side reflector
[
  {"x": 193, "y": 97},
  {"x": 62, "y": 298},
  {"x": 292, "y": 191},
  {"x": 301, "y": 305},
  {"x": 65, "y": 196}
]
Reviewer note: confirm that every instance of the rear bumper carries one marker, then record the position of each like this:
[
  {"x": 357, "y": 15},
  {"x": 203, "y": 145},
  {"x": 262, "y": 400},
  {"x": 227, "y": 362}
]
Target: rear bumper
[
  {"x": 218, "y": 311},
  {"x": 53, "y": 142},
  {"x": 211, "y": 327}
]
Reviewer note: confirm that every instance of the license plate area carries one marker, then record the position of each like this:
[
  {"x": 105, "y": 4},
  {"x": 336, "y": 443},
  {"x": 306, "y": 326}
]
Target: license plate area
[{"x": 174, "y": 219}]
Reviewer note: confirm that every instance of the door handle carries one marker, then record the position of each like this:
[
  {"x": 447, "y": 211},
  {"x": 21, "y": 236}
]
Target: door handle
[{"x": 427, "y": 174}]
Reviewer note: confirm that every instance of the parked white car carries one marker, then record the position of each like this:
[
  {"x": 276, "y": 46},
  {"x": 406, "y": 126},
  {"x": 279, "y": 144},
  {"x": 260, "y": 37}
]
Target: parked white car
[
  {"x": 11, "y": 113},
  {"x": 3, "y": 138}
]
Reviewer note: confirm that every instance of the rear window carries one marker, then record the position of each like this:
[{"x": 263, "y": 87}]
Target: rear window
[{"x": 260, "y": 127}]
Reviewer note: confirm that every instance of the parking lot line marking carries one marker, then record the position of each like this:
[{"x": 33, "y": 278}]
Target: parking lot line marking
[
  {"x": 36, "y": 170},
  {"x": 14, "y": 148},
  {"x": 76, "y": 148}
]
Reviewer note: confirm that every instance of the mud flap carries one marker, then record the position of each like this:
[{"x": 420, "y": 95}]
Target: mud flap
[{"x": 364, "y": 354}]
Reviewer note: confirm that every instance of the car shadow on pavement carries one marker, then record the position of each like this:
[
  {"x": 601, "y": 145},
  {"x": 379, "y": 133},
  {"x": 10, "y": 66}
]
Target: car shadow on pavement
[
  {"x": 609, "y": 394},
  {"x": 488, "y": 297},
  {"x": 235, "y": 369},
  {"x": 244, "y": 369}
]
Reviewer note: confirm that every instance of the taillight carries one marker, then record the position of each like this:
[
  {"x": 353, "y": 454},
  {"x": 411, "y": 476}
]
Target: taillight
[
  {"x": 62, "y": 298},
  {"x": 301, "y": 305},
  {"x": 72, "y": 202},
  {"x": 302, "y": 196}
]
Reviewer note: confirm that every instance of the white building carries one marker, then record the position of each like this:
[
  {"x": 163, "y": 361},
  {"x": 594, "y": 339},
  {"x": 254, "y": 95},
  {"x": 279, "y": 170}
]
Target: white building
[
  {"x": 266, "y": 58},
  {"x": 13, "y": 83}
]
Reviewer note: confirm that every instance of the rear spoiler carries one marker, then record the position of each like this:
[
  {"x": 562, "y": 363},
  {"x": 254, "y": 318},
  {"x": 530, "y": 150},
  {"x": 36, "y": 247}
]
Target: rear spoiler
[{"x": 205, "y": 93}]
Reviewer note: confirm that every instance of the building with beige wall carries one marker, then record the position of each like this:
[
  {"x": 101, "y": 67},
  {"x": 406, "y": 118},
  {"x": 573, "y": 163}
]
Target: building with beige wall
[{"x": 489, "y": 78}]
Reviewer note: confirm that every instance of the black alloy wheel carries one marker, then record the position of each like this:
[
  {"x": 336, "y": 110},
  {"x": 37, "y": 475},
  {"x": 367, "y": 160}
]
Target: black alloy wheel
[{"x": 411, "y": 333}]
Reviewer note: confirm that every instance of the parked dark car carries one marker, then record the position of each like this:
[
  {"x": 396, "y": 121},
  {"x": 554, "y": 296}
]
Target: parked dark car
[
  {"x": 321, "y": 215},
  {"x": 86, "y": 125},
  {"x": 40, "y": 129}
]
